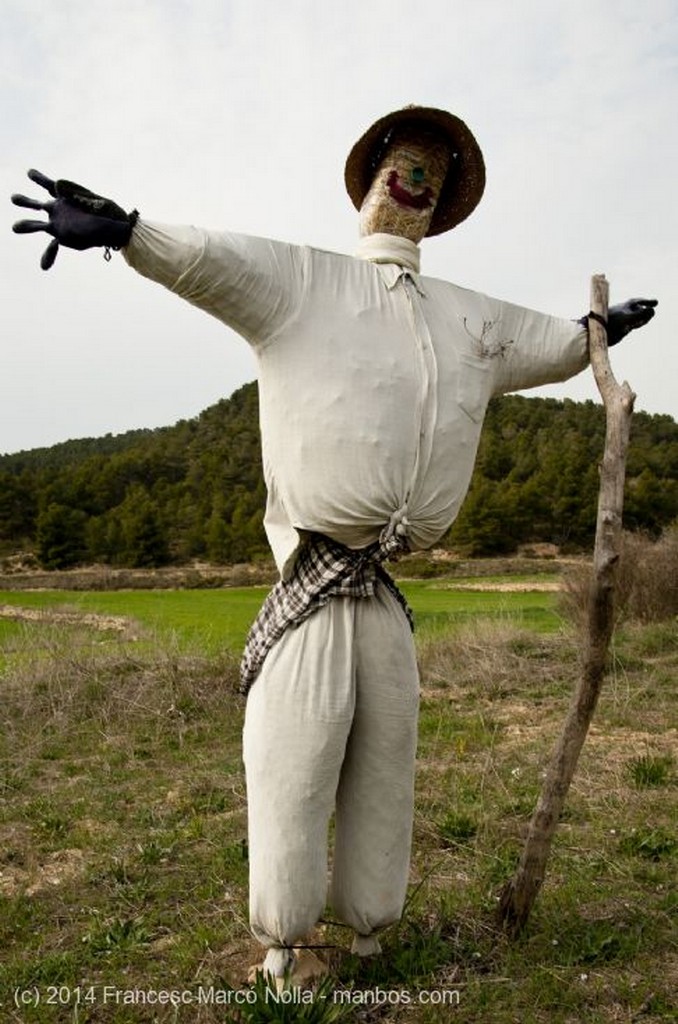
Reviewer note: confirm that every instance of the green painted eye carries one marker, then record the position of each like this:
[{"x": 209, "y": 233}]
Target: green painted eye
[{"x": 417, "y": 174}]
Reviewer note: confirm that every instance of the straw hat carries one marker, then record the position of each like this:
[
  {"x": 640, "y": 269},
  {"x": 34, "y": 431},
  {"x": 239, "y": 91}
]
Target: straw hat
[{"x": 465, "y": 181}]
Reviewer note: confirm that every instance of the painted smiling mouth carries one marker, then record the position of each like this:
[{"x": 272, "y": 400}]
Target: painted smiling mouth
[{"x": 422, "y": 201}]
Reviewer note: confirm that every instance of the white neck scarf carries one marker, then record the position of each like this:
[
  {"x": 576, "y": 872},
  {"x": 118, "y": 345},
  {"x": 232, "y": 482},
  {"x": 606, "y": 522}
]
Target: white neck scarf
[{"x": 383, "y": 248}]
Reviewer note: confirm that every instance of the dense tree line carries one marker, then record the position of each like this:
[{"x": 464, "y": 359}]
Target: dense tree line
[
  {"x": 195, "y": 490},
  {"x": 536, "y": 476}
]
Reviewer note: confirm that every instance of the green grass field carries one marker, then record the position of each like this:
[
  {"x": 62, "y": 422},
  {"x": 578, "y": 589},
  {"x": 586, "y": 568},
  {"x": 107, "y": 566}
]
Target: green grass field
[
  {"x": 123, "y": 857},
  {"x": 217, "y": 618},
  {"x": 209, "y": 618}
]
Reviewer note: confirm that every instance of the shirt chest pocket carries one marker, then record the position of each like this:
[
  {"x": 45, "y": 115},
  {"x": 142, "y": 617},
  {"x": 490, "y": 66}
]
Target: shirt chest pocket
[{"x": 473, "y": 384}]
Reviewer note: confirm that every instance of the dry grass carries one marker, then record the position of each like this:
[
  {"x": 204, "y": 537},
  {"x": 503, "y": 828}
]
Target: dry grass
[
  {"x": 61, "y": 681},
  {"x": 122, "y": 831},
  {"x": 646, "y": 584}
]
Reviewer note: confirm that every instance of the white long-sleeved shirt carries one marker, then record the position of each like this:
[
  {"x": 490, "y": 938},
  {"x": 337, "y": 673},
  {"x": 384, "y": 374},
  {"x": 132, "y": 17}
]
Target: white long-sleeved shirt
[{"x": 373, "y": 380}]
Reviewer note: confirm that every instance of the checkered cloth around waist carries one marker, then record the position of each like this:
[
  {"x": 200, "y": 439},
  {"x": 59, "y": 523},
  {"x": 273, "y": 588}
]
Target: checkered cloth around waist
[{"x": 324, "y": 569}]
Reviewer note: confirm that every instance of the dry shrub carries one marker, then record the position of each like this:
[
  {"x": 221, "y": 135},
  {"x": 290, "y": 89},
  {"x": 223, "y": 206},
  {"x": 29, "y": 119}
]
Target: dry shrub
[
  {"x": 491, "y": 657},
  {"x": 646, "y": 584},
  {"x": 68, "y": 684}
]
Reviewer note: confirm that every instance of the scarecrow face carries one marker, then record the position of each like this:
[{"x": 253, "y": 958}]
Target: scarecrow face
[{"x": 406, "y": 185}]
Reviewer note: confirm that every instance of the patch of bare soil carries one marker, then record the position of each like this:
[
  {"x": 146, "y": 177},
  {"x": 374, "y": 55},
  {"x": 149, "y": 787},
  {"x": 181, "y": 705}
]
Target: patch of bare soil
[
  {"x": 23, "y": 574},
  {"x": 91, "y": 620},
  {"x": 59, "y": 867},
  {"x": 199, "y": 575},
  {"x": 508, "y": 587}
]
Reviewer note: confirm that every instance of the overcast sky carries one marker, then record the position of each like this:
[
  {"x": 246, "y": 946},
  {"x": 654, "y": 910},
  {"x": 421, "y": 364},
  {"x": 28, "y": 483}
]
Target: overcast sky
[{"x": 240, "y": 113}]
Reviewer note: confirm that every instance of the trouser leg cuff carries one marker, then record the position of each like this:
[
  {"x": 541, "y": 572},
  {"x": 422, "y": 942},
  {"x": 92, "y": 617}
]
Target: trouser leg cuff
[
  {"x": 278, "y": 961},
  {"x": 365, "y": 945}
]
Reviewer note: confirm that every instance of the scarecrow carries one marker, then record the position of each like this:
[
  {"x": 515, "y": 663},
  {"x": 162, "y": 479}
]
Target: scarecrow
[{"x": 373, "y": 382}]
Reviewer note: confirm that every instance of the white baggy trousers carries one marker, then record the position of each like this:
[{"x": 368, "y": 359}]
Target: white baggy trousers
[{"x": 331, "y": 726}]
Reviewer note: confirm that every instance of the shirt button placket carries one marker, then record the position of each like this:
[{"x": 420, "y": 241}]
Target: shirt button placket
[{"x": 428, "y": 376}]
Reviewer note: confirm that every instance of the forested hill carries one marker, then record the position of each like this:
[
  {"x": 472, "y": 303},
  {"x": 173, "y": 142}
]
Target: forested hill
[{"x": 195, "y": 490}]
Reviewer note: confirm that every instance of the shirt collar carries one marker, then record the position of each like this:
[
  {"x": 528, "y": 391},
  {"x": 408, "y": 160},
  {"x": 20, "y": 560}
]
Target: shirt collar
[
  {"x": 396, "y": 257},
  {"x": 382, "y": 248}
]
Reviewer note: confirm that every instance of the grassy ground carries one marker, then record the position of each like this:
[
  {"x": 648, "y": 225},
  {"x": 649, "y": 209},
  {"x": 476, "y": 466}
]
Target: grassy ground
[
  {"x": 214, "y": 619},
  {"x": 123, "y": 858}
]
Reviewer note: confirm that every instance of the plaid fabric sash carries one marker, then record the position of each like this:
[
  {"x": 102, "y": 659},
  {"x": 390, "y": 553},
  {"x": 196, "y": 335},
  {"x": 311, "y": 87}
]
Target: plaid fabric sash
[{"x": 324, "y": 569}]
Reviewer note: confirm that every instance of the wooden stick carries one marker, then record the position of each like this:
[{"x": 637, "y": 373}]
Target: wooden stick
[{"x": 519, "y": 894}]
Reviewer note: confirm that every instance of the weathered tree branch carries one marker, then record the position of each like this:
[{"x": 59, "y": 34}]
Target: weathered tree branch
[{"x": 520, "y": 893}]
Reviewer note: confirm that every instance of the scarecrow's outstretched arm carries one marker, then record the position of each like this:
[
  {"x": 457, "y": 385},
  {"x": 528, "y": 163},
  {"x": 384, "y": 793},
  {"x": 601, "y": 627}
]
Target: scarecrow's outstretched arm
[
  {"x": 625, "y": 317},
  {"x": 77, "y": 218}
]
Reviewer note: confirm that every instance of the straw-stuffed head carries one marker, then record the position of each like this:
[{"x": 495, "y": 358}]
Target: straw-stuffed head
[{"x": 417, "y": 171}]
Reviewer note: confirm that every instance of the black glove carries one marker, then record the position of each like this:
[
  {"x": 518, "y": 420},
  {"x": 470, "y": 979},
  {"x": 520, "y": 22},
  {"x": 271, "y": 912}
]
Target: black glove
[
  {"x": 627, "y": 316},
  {"x": 78, "y": 218},
  {"x": 624, "y": 317}
]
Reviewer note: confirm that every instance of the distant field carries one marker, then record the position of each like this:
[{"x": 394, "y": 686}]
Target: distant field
[
  {"x": 212, "y": 619},
  {"x": 438, "y": 604}
]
